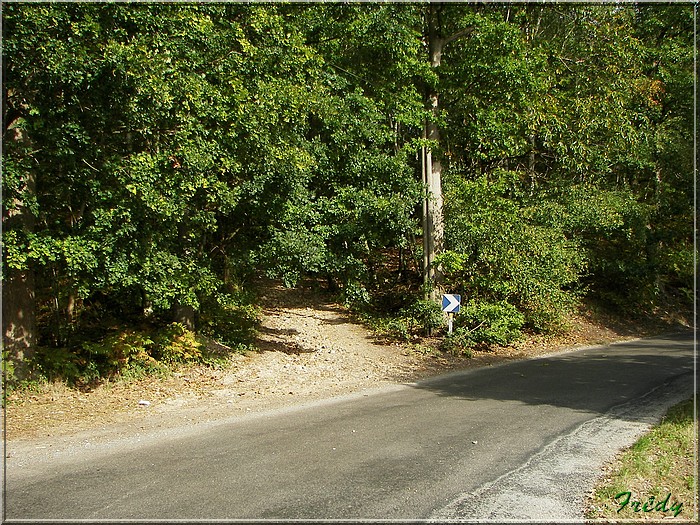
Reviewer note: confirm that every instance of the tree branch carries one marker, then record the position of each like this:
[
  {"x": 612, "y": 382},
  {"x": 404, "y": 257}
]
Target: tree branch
[{"x": 459, "y": 34}]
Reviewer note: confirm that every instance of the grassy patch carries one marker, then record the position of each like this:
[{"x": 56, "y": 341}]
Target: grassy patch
[{"x": 656, "y": 478}]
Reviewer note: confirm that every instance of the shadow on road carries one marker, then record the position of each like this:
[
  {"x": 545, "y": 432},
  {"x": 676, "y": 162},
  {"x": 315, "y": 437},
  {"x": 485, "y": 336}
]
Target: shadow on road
[{"x": 593, "y": 379}]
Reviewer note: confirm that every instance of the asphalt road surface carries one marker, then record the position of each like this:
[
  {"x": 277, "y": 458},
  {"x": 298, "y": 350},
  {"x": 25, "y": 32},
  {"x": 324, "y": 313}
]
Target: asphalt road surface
[{"x": 523, "y": 440}]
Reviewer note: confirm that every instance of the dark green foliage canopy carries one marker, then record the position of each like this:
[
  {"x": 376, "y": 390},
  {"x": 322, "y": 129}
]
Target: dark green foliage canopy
[{"x": 160, "y": 156}]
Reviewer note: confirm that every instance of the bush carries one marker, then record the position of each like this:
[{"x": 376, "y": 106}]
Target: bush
[
  {"x": 420, "y": 316},
  {"x": 54, "y": 363},
  {"x": 614, "y": 232},
  {"x": 392, "y": 327},
  {"x": 458, "y": 342},
  {"x": 175, "y": 344},
  {"x": 136, "y": 353},
  {"x": 427, "y": 315},
  {"x": 356, "y": 296},
  {"x": 119, "y": 352},
  {"x": 501, "y": 249},
  {"x": 230, "y": 320},
  {"x": 8, "y": 367},
  {"x": 489, "y": 323}
]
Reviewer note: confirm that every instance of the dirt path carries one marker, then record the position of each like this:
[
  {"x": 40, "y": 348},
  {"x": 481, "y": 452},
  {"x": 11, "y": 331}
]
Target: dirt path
[{"x": 310, "y": 349}]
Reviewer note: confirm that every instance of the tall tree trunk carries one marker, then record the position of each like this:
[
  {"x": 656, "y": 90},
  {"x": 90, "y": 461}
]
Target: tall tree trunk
[
  {"x": 433, "y": 225},
  {"x": 18, "y": 292},
  {"x": 18, "y": 317}
]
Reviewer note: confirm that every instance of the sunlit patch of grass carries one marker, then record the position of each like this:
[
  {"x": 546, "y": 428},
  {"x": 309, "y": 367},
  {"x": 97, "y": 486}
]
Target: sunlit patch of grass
[{"x": 656, "y": 478}]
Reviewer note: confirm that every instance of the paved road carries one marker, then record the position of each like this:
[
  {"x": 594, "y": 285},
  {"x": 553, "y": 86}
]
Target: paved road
[{"x": 521, "y": 440}]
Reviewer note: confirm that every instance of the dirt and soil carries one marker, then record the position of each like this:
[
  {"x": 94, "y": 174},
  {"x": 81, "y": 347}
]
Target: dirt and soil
[{"x": 310, "y": 348}]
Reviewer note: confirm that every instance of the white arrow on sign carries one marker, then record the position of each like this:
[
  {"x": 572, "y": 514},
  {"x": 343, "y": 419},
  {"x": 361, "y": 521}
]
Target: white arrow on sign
[{"x": 450, "y": 302}]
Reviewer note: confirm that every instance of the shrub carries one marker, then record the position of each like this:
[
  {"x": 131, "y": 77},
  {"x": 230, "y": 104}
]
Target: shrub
[
  {"x": 176, "y": 344},
  {"x": 392, "y": 327},
  {"x": 230, "y": 320},
  {"x": 490, "y": 323},
  {"x": 8, "y": 368},
  {"x": 54, "y": 363},
  {"x": 501, "y": 248},
  {"x": 458, "y": 342},
  {"x": 427, "y": 315},
  {"x": 116, "y": 353},
  {"x": 421, "y": 315},
  {"x": 356, "y": 296}
]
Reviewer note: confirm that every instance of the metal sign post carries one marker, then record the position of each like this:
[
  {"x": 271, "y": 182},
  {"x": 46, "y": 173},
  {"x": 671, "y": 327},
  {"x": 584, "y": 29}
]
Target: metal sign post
[{"x": 450, "y": 305}]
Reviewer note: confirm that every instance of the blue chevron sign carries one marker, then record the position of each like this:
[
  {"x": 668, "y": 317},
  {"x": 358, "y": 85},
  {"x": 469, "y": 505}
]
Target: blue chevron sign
[{"x": 450, "y": 303}]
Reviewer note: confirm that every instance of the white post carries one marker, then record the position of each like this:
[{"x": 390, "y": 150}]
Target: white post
[{"x": 449, "y": 322}]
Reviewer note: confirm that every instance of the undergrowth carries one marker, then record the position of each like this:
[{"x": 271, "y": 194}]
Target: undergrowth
[{"x": 123, "y": 354}]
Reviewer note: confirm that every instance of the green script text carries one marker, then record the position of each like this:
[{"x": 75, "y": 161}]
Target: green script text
[{"x": 649, "y": 505}]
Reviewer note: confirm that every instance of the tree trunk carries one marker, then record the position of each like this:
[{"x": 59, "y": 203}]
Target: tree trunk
[
  {"x": 18, "y": 292},
  {"x": 433, "y": 226},
  {"x": 184, "y": 314},
  {"x": 18, "y": 317}
]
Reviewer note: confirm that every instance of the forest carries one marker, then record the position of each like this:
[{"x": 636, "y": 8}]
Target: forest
[{"x": 159, "y": 160}]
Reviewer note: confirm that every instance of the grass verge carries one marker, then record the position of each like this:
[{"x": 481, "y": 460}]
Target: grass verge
[{"x": 656, "y": 478}]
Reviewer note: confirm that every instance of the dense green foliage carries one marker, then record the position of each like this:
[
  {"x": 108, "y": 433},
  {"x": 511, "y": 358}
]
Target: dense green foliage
[{"x": 158, "y": 159}]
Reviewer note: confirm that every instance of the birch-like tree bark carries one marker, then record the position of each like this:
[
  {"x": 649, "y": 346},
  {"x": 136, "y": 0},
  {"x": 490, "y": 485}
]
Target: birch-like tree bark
[
  {"x": 433, "y": 221},
  {"x": 433, "y": 231}
]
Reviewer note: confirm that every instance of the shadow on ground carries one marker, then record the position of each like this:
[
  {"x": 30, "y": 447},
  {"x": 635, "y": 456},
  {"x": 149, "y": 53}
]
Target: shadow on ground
[{"x": 593, "y": 379}]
